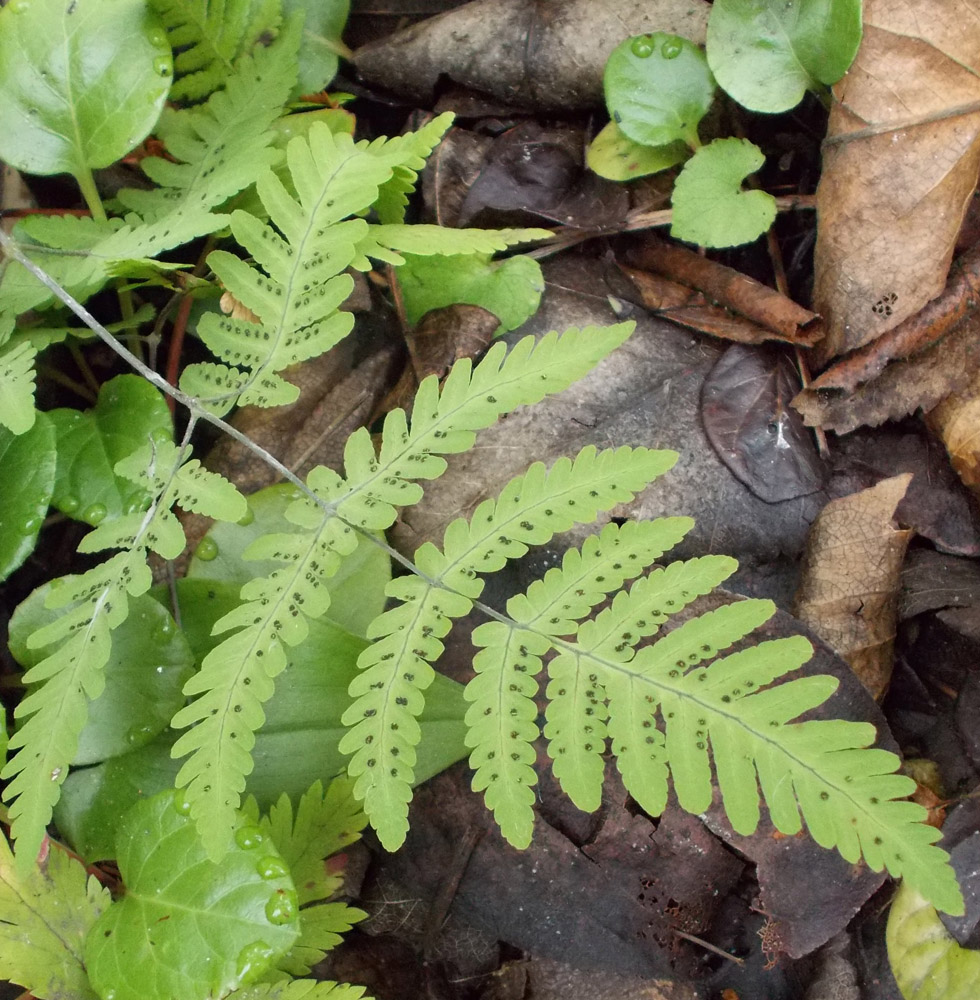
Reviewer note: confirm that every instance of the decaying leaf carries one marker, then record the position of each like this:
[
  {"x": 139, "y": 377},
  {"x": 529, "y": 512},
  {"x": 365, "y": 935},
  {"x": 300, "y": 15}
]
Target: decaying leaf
[
  {"x": 902, "y": 388},
  {"x": 849, "y": 589},
  {"x": 547, "y": 56},
  {"x": 957, "y": 421},
  {"x": 899, "y": 167}
]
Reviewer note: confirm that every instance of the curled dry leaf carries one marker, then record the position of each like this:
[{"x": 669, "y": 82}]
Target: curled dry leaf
[
  {"x": 849, "y": 589},
  {"x": 546, "y": 56},
  {"x": 899, "y": 167},
  {"x": 902, "y": 388},
  {"x": 957, "y": 421}
]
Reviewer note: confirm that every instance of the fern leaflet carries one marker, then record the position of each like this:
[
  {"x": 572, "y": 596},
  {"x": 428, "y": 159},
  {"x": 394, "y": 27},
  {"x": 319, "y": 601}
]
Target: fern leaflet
[
  {"x": 237, "y": 676},
  {"x": 95, "y": 603},
  {"x": 668, "y": 716},
  {"x": 17, "y": 387},
  {"x": 210, "y": 36},
  {"x": 388, "y": 694}
]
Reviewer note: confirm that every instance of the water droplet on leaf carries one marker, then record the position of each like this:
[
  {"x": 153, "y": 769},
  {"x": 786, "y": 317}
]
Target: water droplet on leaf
[
  {"x": 138, "y": 735},
  {"x": 162, "y": 66},
  {"x": 207, "y": 549},
  {"x": 253, "y": 959},
  {"x": 138, "y": 501},
  {"x": 642, "y": 48},
  {"x": 671, "y": 49},
  {"x": 30, "y": 525},
  {"x": 56, "y": 774},
  {"x": 165, "y": 630},
  {"x": 248, "y": 836},
  {"x": 94, "y": 513},
  {"x": 182, "y": 804},
  {"x": 248, "y": 518},
  {"x": 68, "y": 504},
  {"x": 161, "y": 436},
  {"x": 20, "y": 6},
  {"x": 271, "y": 867},
  {"x": 281, "y": 907}
]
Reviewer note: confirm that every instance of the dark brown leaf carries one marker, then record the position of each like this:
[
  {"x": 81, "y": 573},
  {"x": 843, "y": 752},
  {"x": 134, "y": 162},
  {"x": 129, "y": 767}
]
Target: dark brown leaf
[{"x": 748, "y": 420}]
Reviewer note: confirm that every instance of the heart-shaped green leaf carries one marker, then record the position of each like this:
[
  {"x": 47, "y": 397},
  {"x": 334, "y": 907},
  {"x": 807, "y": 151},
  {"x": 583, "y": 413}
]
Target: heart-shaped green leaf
[
  {"x": 768, "y": 53},
  {"x": 128, "y": 413},
  {"x": 617, "y": 157},
  {"x": 26, "y": 485},
  {"x": 187, "y": 927},
  {"x": 145, "y": 674},
  {"x": 83, "y": 81},
  {"x": 658, "y": 88},
  {"x": 710, "y": 207}
]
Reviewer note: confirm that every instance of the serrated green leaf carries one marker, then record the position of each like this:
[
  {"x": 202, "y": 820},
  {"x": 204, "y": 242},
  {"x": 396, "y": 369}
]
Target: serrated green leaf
[
  {"x": 510, "y": 289},
  {"x": 768, "y": 53},
  {"x": 83, "y": 82},
  {"x": 296, "y": 746},
  {"x": 300, "y": 989},
  {"x": 710, "y": 207},
  {"x": 46, "y": 914},
  {"x": 658, "y": 88},
  {"x": 17, "y": 387},
  {"x": 147, "y": 667},
  {"x": 188, "y": 927},
  {"x": 357, "y": 590},
  {"x": 320, "y": 46},
  {"x": 926, "y": 960},
  {"x": 128, "y": 413},
  {"x": 28, "y": 461},
  {"x": 614, "y": 155}
]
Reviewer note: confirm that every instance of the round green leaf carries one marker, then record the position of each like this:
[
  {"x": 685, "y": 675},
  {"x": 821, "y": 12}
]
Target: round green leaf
[
  {"x": 927, "y": 961},
  {"x": 619, "y": 158},
  {"x": 128, "y": 413},
  {"x": 144, "y": 676},
  {"x": 26, "y": 486},
  {"x": 83, "y": 81},
  {"x": 767, "y": 53},
  {"x": 357, "y": 592},
  {"x": 510, "y": 289},
  {"x": 658, "y": 88},
  {"x": 710, "y": 207},
  {"x": 188, "y": 927}
]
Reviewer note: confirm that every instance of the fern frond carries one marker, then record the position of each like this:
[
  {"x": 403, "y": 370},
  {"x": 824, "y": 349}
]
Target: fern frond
[
  {"x": 17, "y": 387},
  {"x": 237, "y": 676},
  {"x": 383, "y": 242},
  {"x": 209, "y": 36},
  {"x": 388, "y": 693},
  {"x": 69, "y": 678},
  {"x": 224, "y": 145}
]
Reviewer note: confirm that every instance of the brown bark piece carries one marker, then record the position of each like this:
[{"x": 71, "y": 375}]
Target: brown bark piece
[
  {"x": 542, "y": 54},
  {"x": 957, "y": 421},
  {"x": 928, "y": 326},
  {"x": 849, "y": 589},
  {"x": 891, "y": 201},
  {"x": 902, "y": 388},
  {"x": 738, "y": 292}
]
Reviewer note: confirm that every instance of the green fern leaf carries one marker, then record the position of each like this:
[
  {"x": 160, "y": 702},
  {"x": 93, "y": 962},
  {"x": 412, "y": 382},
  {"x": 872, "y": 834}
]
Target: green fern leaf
[
  {"x": 237, "y": 676},
  {"x": 388, "y": 694},
  {"x": 210, "y": 35},
  {"x": 17, "y": 387},
  {"x": 299, "y": 989},
  {"x": 384, "y": 242},
  {"x": 224, "y": 145},
  {"x": 72, "y": 676}
]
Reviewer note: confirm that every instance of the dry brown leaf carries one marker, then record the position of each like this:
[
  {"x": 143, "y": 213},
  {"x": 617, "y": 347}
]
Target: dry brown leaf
[
  {"x": 898, "y": 169},
  {"x": 849, "y": 588},
  {"x": 957, "y": 421},
  {"x": 542, "y": 55}
]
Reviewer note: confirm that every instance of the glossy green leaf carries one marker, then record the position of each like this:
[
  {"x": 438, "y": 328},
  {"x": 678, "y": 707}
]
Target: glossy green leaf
[
  {"x": 927, "y": 961},
  {"x": 768, "y": 53},
  {"x": 188, "y": 927},
  {"x": 144, "y": 676},
  {"x": 510, "y": 289},
  {"x": 658, "y": 88},
  {"x": 45, "y": 915},
  {"x": 617, "y": 157},
  {"x": 26, "y": 486},
  {"x": 710, "y": 207},
  {"x": 83, "y": 82},
  {"x": 296, "y": 747},
  {"x": 129, "y": 412},
  {"x": 320, "y": 46}
]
